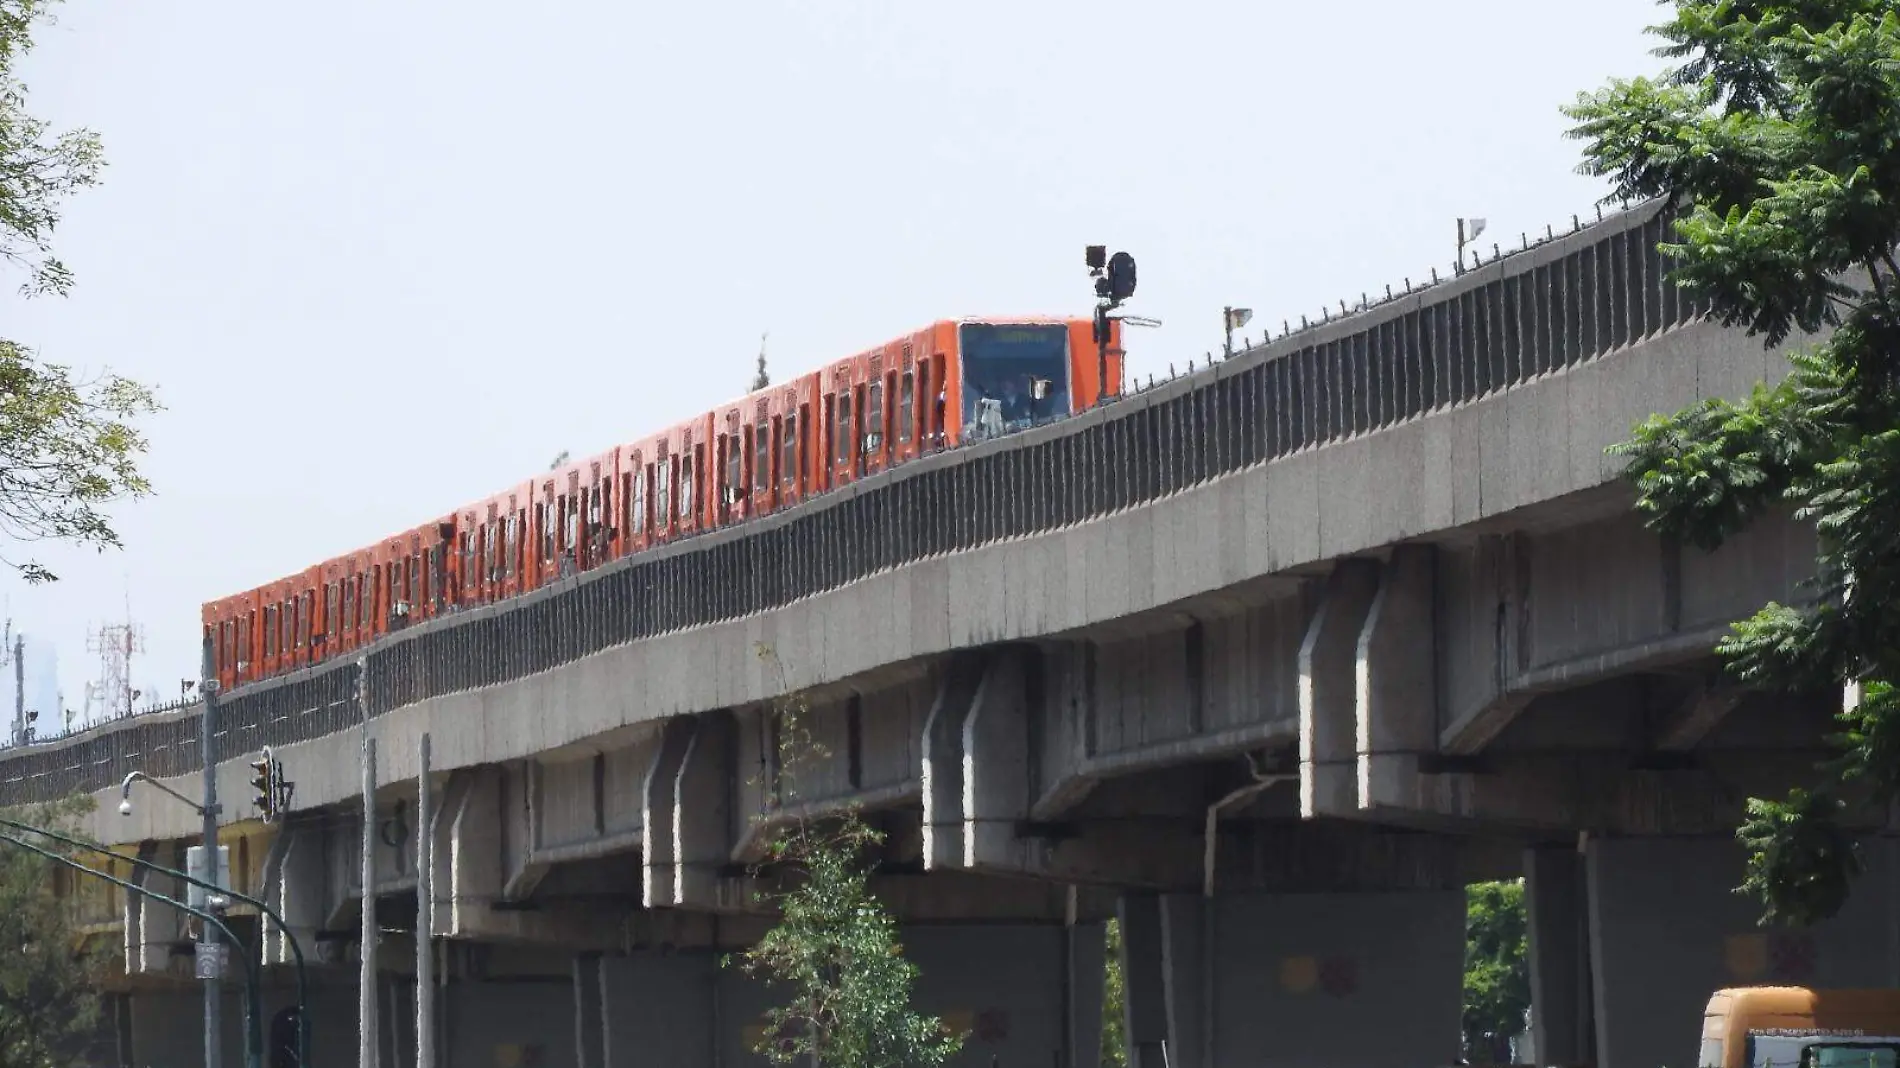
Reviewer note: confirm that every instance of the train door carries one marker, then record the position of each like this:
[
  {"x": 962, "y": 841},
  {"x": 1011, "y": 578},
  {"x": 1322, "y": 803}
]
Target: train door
[
  {"x": 859, "y": 445},
  {"x": 828, "y": 454},
  {"x": 765, "y": 434},
  {"x": 906, "y": 446},
  {"x": 729, "y": 470},
  {"x": 876, "y": 429}
]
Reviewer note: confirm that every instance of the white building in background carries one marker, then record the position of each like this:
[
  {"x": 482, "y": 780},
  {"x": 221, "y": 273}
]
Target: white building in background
[{"x": 42, "y": 688}]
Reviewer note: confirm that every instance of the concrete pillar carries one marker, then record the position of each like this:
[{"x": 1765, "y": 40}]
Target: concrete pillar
[
  {"x": 703, "y": 828},
  {"x": 1185, "y": 979},
  {"x": 1144, "y": 980},
  {"x": 1329, "y": 693},
  {"x": 942, "y": 757},
  {"x": 996, "y": 775},
  {"x": 1396, "y": 686},
  {"x": 1559, "y": 955},
  {"x": 1667, "y": 929},
  {"x": 590, "y": 1034},
  {"x": 1087, "y": 960},
  {"x": 659, "y": 1010},
  {"x": 298, "y": 885},
  {"x": 1369, "y": 980},
  {"x": 659, "y": 867}
]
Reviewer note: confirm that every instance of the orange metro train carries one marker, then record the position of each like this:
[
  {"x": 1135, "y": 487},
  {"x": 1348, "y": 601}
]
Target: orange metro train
[{"x": 953, "y": 382}]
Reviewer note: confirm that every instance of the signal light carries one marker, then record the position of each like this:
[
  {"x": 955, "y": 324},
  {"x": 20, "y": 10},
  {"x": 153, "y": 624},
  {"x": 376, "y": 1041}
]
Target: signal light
[{"x": 261, "y": 784}]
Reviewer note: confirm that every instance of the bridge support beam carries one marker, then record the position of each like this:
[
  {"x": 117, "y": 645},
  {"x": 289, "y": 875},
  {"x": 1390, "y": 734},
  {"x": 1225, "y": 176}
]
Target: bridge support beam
[
  {"x": 1395, "y": 699},
  {"x": 470, "y": 879},
  {"x": 1328, "y": 692},
  {"x": 943, "y": 760},
  {"x": 295, "y": 884},
  {"x": 659, "y": 866},
  {"x": 703, "y": 832}
]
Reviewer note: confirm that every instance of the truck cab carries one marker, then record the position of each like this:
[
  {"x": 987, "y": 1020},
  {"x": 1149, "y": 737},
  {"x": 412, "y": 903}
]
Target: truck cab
[{"x": 1798, "y": 1027}]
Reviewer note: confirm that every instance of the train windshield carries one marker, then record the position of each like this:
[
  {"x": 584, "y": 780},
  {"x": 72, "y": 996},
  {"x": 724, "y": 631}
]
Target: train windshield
[{"x": 1013, "y": 377}]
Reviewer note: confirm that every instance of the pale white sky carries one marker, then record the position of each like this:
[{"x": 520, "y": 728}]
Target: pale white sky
[{"x": 383, "y": 258}]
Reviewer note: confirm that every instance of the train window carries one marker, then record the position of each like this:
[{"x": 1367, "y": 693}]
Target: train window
[
  {"x": 348, "y": 618},
  {"x": 604, "y": 505},
  {"x": 844, "y": 427},
  {"x": 906, "y": 407},
  {"x": 571, "y": 525},
  {"x": 732, "y": 447},
  {"x": 304, "y": 618},
  {"x": 365, "y": 601},
  {"x": 664, "y": 493},
  {"x": 230, "y": 642},
  {"x": 639, "y": 507},
  {"x": 687, "y": 485},
  {"x": 764, "y": 451},
  {"x": 874, "y": 420},
  {"x": 270, "y": 630},
  {"x": 788, "y": 459}
]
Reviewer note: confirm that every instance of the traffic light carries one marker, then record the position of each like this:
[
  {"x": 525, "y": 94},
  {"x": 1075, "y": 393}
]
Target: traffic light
[{"x": 264, "y": 784}]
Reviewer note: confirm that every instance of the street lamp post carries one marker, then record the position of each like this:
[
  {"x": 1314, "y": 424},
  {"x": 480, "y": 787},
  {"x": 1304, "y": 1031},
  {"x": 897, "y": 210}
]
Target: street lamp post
[{"x": 207, "y": 726}]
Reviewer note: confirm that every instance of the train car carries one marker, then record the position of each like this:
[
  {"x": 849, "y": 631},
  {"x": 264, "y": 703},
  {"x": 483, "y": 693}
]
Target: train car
[
  {"x": 1006, "y": 375},
  {"x": 950, "y": 383},
  {"x": 759, "y": 455},
  {"x": 489, "y": 546}
]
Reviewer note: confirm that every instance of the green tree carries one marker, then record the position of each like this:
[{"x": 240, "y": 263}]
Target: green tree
[
  {"x": 68, "y": 447},
  {"x": 1114, "y": 1000},
  {"x": 49, "y": 1005},
  {"x": 1497, "y": 971},
  {"x": 835, "y": 946},
  {"x": 1777, "y": 138}
]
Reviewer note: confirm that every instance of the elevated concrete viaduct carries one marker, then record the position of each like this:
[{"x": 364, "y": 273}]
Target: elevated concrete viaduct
[{"x": 1269, "y": 662}]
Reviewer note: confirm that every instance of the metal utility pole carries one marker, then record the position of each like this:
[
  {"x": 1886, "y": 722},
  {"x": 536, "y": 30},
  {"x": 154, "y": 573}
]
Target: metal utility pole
[
  {"x": 19, "y": 690},
  {"x": 366, "y": 981},
  {"x": 214, "y": 993},
  {"x": 425, "y": 915}
]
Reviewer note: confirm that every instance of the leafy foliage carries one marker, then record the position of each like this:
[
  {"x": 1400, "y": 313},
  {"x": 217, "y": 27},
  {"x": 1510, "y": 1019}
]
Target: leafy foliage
[
  {"x": 68, "y": 447},
  {"x": 1497, "y": 970},
  {"x": 1777, "y": 137},
  {"x": 1114, "y": 1000},
  {"x": 48, "y": 1004},
  {"x": 835, "y": 946}
]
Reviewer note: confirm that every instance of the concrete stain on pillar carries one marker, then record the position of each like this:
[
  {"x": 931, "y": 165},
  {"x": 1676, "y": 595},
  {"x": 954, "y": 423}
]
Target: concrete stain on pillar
[
  {"x": 1784, "y": 956},
  {"x": 1335, "y": 976}
]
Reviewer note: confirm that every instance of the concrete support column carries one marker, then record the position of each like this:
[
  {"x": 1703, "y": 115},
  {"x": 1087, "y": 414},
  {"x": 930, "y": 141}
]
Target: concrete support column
[
  {"x": 658, "y": 866},
  {"x": 590, "y": 1029},
  {"x": 943, "y": 759},
  {"x": 703, "y": 827},
  {"x": 1087, "y": 960},
  {"x": 1667, "y": 929},
  {"x": 1395, "y": 680},
  {"x": 1559, "y": 956},
  {"x": 659, "y": 1010},
  {"x": 1369, "y": 980},
  {"x": 1144, "y": 981},
  {"x": 1329, "y": 691}
]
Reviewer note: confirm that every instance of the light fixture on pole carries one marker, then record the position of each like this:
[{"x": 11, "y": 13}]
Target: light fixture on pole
[
  {"x": 1468, "y": 231},
  {"x": 1233, "y": 319}
]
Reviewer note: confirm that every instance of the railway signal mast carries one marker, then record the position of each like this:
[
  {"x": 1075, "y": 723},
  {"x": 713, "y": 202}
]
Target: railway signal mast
[{"x": 1114, "y": 283}]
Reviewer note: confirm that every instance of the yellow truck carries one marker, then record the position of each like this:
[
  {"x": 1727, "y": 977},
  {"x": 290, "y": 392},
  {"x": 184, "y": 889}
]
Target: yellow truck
[{"x": 1795, "y": 1027}]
